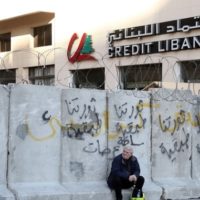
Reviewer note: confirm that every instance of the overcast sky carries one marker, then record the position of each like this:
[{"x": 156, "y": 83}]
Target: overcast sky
[
  {"x": 18, "y": 7},
  {"x": 75, "y": 7}
]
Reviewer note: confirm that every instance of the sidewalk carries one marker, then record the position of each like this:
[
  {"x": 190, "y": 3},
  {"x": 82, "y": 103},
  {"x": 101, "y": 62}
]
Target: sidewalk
[{"x": 185, "y": 199}]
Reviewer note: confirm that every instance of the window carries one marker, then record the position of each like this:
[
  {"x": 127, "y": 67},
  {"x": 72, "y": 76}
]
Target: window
[
  {"x": 5, "y": 44},
  {"x": 140, "y": 76},
  {"x": 42, "y": 75},
  {"x": 7, "y": 76},
  {"x": 89, "y": 78},
  {"x": 190, "y": 71},
  {"x": 42, "y": 35}
]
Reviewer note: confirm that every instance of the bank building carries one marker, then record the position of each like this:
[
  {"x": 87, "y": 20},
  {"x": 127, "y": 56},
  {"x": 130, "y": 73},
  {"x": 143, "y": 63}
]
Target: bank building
[
  {"x": 79, "y": 80},
  {"x": 109, "y": 47}
]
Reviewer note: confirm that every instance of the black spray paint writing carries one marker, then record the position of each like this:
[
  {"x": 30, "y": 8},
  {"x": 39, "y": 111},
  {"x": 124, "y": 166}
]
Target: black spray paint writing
[
  {"x": 92, "y": 124},
  {"x": 84, "y": 111},
  {"x": 123, "y": 110},
  {"x": 127, "y": 140},
  {"x": 96, "y": 147},
  {"x": 130, "y": 127},
  {"x": 171, "y": 125},
  {"x": 178, "y": 146},
  {"x": 44, "y": 116},
  {"x": 77, "y": 131}
]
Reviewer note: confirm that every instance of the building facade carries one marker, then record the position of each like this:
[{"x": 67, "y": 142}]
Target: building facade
[{"x": 110, "y": 46}]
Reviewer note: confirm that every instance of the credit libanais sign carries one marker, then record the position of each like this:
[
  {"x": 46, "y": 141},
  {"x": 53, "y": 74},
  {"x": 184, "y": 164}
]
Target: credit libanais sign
[{"x": 175, "y": 44}]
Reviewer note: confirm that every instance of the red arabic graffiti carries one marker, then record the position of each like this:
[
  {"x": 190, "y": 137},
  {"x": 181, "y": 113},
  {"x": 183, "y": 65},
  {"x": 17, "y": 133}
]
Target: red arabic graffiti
[{"x": 80, "y": 54}]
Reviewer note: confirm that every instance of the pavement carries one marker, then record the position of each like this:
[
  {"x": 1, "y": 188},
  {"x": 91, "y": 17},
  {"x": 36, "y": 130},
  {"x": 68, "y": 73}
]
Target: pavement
[{"x": 183, "y": 199}]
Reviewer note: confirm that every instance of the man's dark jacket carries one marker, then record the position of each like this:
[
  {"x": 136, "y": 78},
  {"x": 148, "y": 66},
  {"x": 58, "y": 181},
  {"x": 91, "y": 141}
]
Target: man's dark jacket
[{"x": 123, "y": 168}]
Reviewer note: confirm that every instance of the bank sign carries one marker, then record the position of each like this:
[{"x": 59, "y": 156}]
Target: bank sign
[{"x": 180, "y": 25}]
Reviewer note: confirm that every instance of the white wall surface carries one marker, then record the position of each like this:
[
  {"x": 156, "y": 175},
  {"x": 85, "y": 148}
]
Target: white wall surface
[
  {"x": 4, "y": 107},
  {"x": 34, "y": 134},
  {"x": 84, "y": 136}
]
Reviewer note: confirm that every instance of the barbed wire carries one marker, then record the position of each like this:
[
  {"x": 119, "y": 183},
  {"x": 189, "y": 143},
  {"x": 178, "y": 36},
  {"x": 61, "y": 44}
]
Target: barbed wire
[{"x": 148, "y": 68}]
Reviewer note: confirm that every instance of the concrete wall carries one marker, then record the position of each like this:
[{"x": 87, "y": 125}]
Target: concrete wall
[
  {"x": 59, "y": 143},
  {"x": 84, "y": 121},
  {"x": 129, "y": 114},
  {"x": 4, "y": 115},
  {"x": 174, "y": 126}
]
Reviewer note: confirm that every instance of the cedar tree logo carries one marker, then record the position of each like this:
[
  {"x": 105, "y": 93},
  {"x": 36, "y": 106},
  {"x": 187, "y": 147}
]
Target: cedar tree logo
[{"x": 83, "y": 50}]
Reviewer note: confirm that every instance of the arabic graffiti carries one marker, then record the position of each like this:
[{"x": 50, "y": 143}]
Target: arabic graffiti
[
  {"x": 123, "y": 131},
  {"x": 122, "y": 109},
  {"x": 44, "y": 116},
  {"x": 177, "y": 122},
  {"x": 71, "y": 130},
  {"x": 129, "y": 121},
  {"x": 130, "y": 127},
  {"x": 171, "y": 125},
  {"x": 24, "y": 129},
  {"x": 178, "y": 146},
  {"x": 127, "y": 140},
  {"x": 74, "y": 107},
  {"x": 93, "y": 147},
  {"x": 90, "y": 120},
  {"x": 78, "y": 130}
]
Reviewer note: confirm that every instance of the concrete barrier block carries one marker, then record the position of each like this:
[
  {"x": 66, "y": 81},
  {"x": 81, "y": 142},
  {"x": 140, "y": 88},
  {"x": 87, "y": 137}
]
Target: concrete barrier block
[
  {"x": 62, "y": 142},
  {"x": 130, "y": 124},
  {"x": 89, "y": 190},
  {"x": 39, "y": 191},
  {"x": 195, "y": 118},
  {"x": 195, "y": 123},
  {"x": 5, "y": 193},
  {"x": 152, "y": 190},
  {"x": 175, "y": 188},
  {"x": 4, "y": 107},
  {"x": 69, "y": 191},
  {"x": 84, "y": 136},
  {"x": 171, "y": 141},
  {"x": 84, "y": 144},
  {"x": 35, "y": 140}
]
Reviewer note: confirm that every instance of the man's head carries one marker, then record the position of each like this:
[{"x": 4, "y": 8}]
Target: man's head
[{"x": 127, "y": 153}]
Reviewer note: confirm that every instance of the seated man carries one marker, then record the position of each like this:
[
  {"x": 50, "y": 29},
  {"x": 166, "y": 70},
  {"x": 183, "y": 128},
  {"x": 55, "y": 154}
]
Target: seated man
[{"x": 125, "y": 173}]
